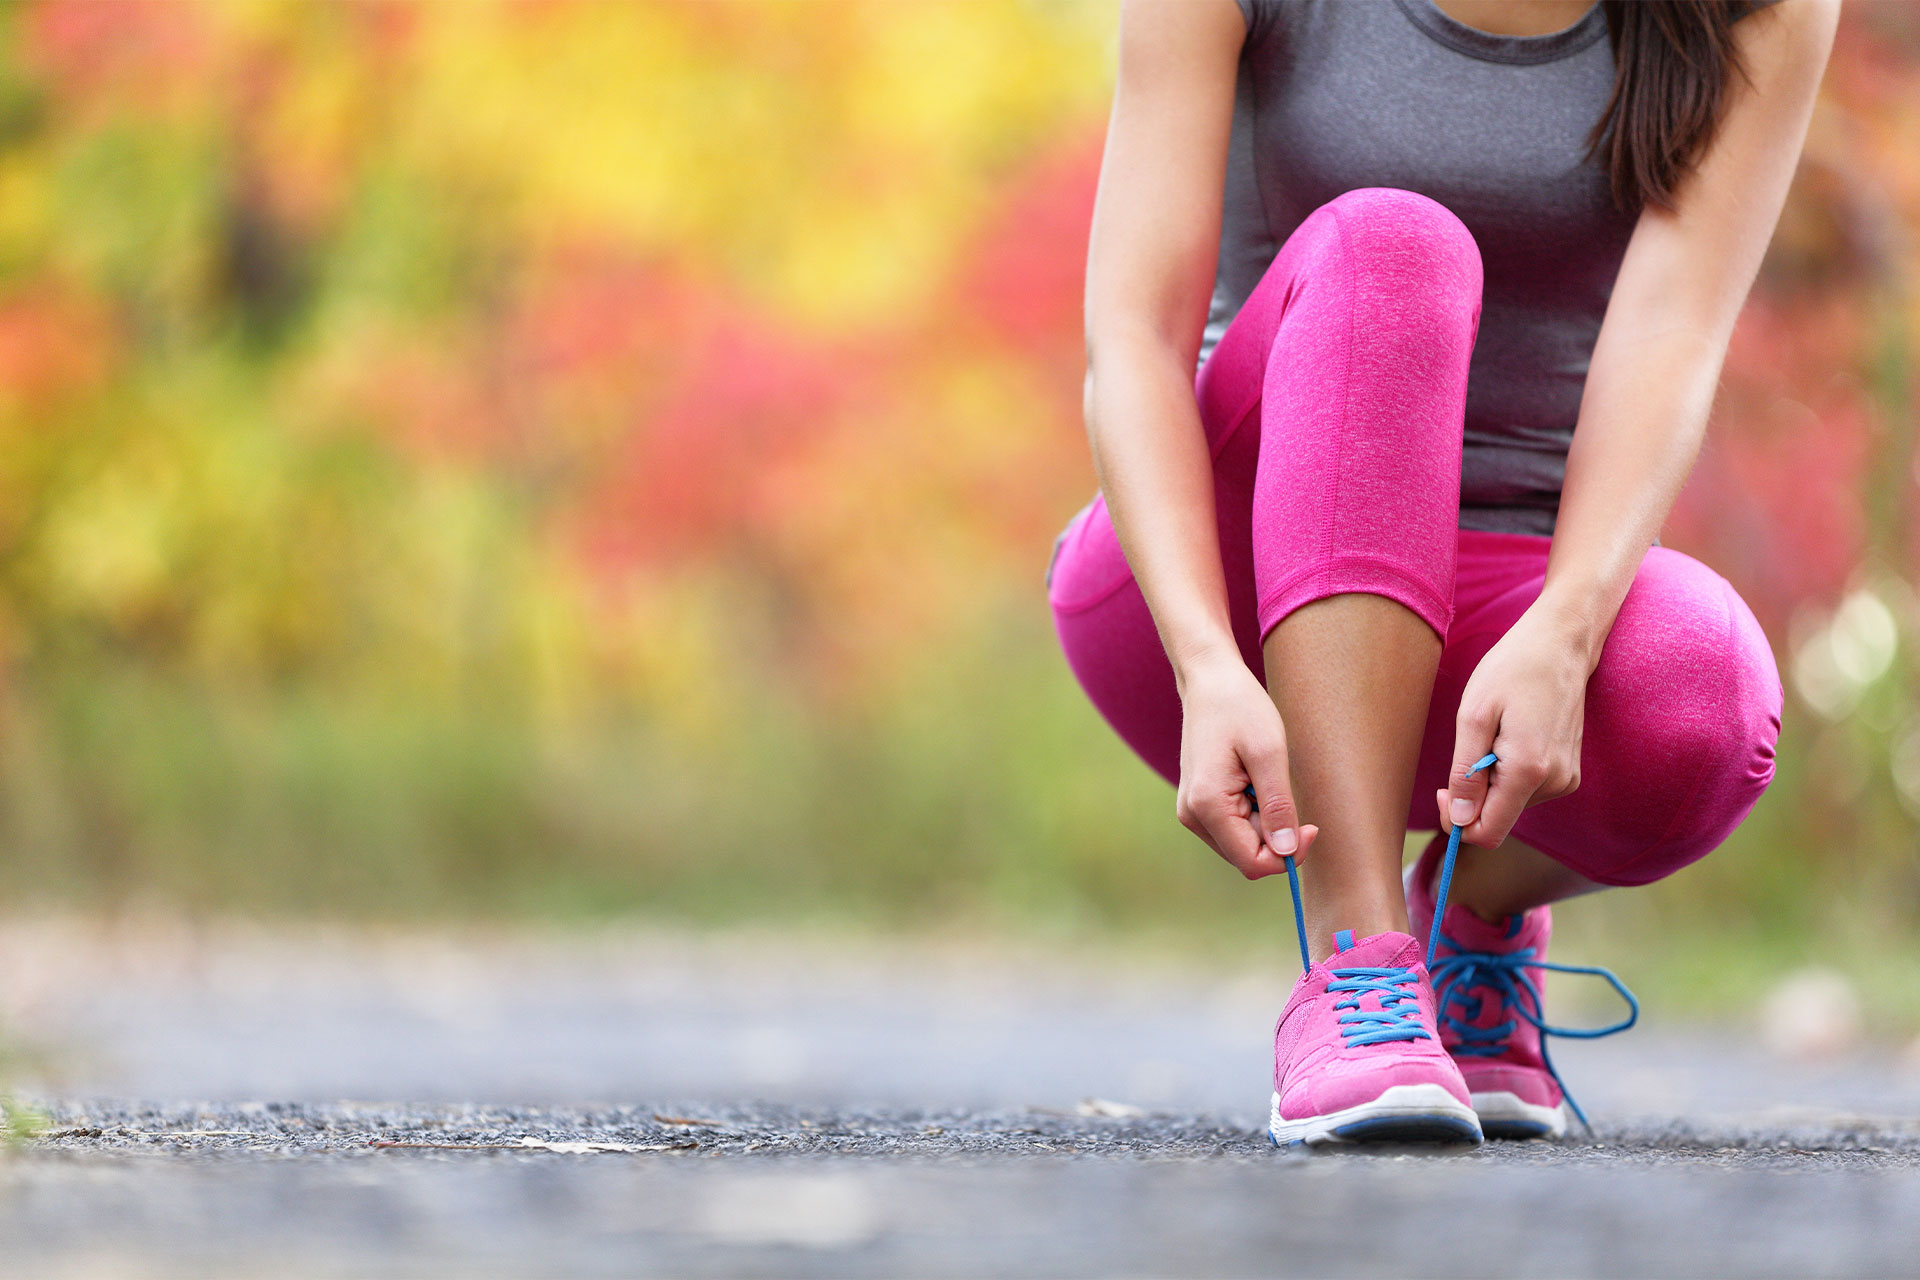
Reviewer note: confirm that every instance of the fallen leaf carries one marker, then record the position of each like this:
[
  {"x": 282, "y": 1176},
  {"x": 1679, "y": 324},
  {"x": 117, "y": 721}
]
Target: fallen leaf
[
  {"x": 592, "y": 1148},
  {"x": 1110, "y": 1110},
  {"x": 536, "y": 1144},
  {"x": 184, "y": 1133}
]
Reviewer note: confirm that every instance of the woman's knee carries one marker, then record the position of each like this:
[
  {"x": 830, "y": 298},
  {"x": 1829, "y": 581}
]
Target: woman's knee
[
  {"x": 1410, "y": 242},
  {"x": 1683, "y": 717},
  {"x": 1392, "y": 219},
  {"x": 1394, "y": 270}
]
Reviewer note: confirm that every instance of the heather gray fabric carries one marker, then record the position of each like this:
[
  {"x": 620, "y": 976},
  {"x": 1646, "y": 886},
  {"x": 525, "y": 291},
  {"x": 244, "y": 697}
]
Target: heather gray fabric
[{"x": 1338, "y": 94}]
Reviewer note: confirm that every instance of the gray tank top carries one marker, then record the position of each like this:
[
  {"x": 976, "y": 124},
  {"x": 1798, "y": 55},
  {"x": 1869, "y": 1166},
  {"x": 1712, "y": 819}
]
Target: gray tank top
[{"x": 1338, "y": 94}]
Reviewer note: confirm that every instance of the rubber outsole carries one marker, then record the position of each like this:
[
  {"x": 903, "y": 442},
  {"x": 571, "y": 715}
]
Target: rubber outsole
[
  {"x": 1410, "y": 1129},
  {"x": 1423, "y": 1114},
  {"x": 1505, "y": 1116}
]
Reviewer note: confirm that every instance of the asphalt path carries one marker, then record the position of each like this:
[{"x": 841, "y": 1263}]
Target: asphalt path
[{"x": 236, "y": 1101}]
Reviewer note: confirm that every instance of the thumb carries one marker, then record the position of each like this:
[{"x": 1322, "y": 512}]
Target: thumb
[
  {"x": 1272, "y": 794},
  {"x": 1467, "y": 790},
  {"x": 1307, "y": 831}
]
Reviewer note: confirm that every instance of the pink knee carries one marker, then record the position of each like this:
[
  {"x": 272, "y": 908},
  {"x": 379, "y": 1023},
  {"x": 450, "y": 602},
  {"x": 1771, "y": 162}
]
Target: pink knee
[
  {"x": 1363, "y": 400},
  {"x": 1412, "y": 240},
  {"x": 1683, "y": 713}
]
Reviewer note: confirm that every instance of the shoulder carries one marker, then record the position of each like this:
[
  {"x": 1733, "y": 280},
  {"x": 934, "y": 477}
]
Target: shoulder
[
  {"x": 1796, "y": 7},
  {"x": 1270, "y": 19},
  {"x": 1803, "y": 19},
  {"x": 1178, "y": 43},
  {"x": 1786, "y": 37}
]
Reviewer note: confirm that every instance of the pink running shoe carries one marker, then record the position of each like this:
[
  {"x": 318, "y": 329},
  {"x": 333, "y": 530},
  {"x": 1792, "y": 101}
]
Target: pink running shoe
[
  {"x": 1489, "y": 1008},
  {"x": 1356, "y": 1056}
]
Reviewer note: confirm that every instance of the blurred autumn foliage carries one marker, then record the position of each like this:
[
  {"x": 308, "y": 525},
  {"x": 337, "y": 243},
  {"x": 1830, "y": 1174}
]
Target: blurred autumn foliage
[{"x": 577, "y": 456}]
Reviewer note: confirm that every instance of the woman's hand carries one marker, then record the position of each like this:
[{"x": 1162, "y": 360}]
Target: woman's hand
[
  {"x": 1231, "y": 737},
  {"x": 1527, "y": 703}
]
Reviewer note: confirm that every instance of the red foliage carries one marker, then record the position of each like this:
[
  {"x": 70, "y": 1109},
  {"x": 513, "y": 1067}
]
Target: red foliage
[
  {"x": 1021, "y": 298},
  {"x": 1025, "y": 274},
  {"x": 737, "y": 396},
  {"x": 52, "y": 342},
  {"x": 1776, "y": 502},
  {"x": 141, "y": 53}
]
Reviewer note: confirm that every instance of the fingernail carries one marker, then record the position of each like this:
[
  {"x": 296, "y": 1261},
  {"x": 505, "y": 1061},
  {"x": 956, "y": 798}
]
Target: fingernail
[
  {"x": 1286, "y": 841},
  {"x": 1462, "y": 809}
]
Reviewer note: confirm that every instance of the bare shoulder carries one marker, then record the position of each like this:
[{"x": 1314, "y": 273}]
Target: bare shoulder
[
  {"x": 1156, "y": 213},
  {"x": 1179, "y": 37},
  {"x": 1789, "y": 34}
]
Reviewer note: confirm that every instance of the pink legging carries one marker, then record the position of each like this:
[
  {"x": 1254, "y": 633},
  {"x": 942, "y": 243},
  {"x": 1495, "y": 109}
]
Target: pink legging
[{"x": 1334, "y": 408}]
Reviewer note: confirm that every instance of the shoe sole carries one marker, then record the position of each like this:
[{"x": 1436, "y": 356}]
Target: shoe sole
[
  {"x": 1405, "y": 1113},
  {"x": 1505, "y": 1115}
]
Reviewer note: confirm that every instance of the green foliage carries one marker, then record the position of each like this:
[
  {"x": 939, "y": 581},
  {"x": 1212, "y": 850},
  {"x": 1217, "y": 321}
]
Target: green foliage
[{"x": 19, "y": 1123}]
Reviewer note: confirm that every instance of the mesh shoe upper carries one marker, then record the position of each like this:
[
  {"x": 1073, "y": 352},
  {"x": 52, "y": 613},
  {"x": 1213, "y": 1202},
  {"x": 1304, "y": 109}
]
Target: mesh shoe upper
[{"x": 1356, "y": 1025}]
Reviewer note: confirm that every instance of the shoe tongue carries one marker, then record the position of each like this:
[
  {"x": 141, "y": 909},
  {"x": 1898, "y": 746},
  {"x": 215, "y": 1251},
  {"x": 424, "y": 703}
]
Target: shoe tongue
[{"x": 1379, "y": 951}]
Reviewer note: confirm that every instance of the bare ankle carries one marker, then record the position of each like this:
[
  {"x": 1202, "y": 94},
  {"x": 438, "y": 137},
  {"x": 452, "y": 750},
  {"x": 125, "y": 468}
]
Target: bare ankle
[{"x": 1363, "y": 919}]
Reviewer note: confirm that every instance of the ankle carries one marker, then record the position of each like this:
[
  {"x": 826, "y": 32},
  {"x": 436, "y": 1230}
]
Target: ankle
[
  {"x": 1363, "y": 921},
  {"x": 1484, "y": 914},
  {"x": 1476, "y": 900},
  {"x": 1471, "y": 893}
]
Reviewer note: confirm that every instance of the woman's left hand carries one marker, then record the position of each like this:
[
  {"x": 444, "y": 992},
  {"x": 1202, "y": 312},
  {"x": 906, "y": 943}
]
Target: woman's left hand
[{"x": 1526, "y": 702}]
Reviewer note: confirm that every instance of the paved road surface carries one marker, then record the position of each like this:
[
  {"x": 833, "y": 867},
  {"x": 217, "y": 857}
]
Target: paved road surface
[{"x": 331, "y": 1104}]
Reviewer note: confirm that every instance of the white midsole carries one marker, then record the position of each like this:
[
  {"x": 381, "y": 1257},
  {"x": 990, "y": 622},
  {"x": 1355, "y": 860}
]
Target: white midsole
[
  {"x": 1498, "y": 1107},
  {"x": 1410, "y": 1100}
]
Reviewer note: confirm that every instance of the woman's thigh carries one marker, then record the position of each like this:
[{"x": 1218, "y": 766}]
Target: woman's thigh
[
  {"x": 1682, "y": 714},
  {"x": 1110, "y": 641}
]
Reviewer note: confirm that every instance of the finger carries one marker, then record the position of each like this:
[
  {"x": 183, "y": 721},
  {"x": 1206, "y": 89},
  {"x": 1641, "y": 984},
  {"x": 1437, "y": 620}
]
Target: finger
[
  {"x": 1228, "y": 820},
  {"x": 1271, "y": 861},
  {"x": 1190, "y": 819},
  {"x": 1468, "y": 782},
  {"x": 1273, "y": 787},
  {"x": 1250, "y": 799},
  {"x": 1563, "y": 780},
  {"x": 1308, "y": 831},
  {"x": 1303, "y": 838},
  {"x": 1513, "y": 787}
]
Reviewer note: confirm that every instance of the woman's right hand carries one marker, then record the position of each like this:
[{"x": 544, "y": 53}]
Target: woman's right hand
[{"x": 1231, "y": 737}]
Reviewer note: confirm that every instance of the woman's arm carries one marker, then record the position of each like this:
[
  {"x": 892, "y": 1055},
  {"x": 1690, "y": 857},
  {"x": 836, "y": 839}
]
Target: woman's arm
[
  {"x": 1150, "y": 270},
  {"x": 1150, "y": 267},
  {"x": 1642, "y": 417}
]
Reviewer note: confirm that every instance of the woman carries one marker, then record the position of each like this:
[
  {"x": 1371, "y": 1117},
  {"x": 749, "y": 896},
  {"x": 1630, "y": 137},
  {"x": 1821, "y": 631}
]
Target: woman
[{"x": 1458, "y": 277}]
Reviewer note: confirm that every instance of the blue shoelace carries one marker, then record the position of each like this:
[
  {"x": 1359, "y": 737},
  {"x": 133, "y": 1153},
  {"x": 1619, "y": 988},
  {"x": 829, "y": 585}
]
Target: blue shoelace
[
  {"x": 1399, "y": 1014},
  {"x": 1503, "y": 975}
]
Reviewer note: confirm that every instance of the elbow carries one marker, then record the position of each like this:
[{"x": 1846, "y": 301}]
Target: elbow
[{"x": 1133, "y": 347}]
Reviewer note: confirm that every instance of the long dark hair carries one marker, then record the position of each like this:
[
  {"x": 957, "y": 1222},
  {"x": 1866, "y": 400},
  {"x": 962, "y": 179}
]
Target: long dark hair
[{"x": 1673, "y": 63}]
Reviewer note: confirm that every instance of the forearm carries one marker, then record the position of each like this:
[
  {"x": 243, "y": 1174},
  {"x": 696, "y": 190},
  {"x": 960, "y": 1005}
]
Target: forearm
[
  {"x": 1150, "y": 452},
  {"x": 1642, "y": 419},
  {"x": 1685, "y": 275}
]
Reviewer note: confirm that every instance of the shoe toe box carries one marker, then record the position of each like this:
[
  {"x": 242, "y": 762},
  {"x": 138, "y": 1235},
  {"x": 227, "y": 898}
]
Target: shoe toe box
[{"x": 1338, "y": 1082}]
